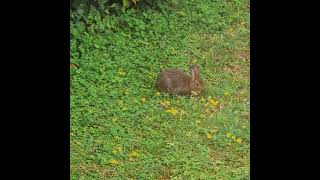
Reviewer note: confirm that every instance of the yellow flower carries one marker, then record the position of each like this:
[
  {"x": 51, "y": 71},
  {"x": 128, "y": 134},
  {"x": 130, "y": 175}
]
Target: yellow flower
[
  {"x": 213, "y": 102},
  {"x": 119, "y": 149},
  {"x": 239, "y": 140},
  {"x": 134, "y": 154},
  {"x": 209, "y": 136},
  {"x": 143, "y": 99},
  {"x": 158, "y": 93},
  {"x": 165, "y": 103},
  {"x": 114, "y": 151},
  {"x": 189, "y": 134},
  {"x": 172, "y": 111},
  {"x": 121, "y": 72},
  {"x": 228, "y": 134},
  {"x": 215, "y": 130},
  {"x": 114, "y": 162}
]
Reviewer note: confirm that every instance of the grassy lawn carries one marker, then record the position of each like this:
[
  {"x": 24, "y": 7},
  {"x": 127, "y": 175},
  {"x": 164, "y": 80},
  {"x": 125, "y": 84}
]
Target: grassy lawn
[{"x": 122, "y": 128}]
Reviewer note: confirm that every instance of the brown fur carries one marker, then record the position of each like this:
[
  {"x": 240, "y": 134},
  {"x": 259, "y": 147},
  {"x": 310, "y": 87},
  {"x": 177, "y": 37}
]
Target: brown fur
[{"x": 176, "y": 82}]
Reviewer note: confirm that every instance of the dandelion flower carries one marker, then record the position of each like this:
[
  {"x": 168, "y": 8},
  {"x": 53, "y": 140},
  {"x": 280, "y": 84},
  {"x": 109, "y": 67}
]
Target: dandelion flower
[
  {"x": 121, "y": 72},
  {"x": 134, "y": 154},
  {"x": 238, "y": 140},
  {"x": 213, "y": 102},
  {"x": 114, "y": 162},
  {"x": 143, "y": 99},
  {"x": 165, "y": 103},
  {"x": 172, "y": 111},
  {"x": 228, "y": 134}
]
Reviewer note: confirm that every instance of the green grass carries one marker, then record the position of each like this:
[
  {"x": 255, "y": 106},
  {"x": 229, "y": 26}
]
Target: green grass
[{"x": 117, "y": 115}]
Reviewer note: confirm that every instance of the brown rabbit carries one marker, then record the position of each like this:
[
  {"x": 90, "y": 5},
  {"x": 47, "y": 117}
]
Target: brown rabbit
[{"x": 176, "y": 82}]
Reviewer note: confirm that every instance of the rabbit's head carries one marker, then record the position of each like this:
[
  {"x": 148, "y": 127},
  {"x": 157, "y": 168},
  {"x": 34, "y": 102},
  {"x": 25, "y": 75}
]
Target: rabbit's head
[{"x": 196, "y": 83}]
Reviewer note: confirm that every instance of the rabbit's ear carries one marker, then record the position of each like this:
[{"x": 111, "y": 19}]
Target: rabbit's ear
[{"x": 195, "y": 73}]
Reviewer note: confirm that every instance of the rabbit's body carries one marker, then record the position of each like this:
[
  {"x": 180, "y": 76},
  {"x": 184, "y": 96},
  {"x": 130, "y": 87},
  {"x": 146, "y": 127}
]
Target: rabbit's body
[{"x": 176, "y": 82}]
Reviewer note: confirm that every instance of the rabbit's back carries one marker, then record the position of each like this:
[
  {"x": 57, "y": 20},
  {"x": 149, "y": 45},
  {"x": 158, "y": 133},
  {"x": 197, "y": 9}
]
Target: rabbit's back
[{"x": 174, "y": 81}]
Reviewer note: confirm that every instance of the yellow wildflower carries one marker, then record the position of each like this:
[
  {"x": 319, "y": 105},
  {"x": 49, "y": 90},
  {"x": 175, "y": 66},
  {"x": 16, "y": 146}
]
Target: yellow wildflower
[
  {"x": 114, "y": 151},
  {"x": 228, "y": 134},
  {"x": 213, "y": 102},
  {"x": 172, "y": 111},
  {"x": 209, "y": 135},
  {"x": 134, "y": 154},
  {"x": 114, "y": 162},
  {"x": 121, "y": 72},
  {"x": 239, "y": 140},
  {"x": 165, "y": 103},
  {"x": 189, "y": 134},
  {"x": 143, "y": 99}
]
